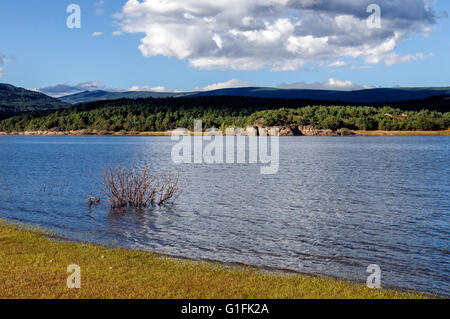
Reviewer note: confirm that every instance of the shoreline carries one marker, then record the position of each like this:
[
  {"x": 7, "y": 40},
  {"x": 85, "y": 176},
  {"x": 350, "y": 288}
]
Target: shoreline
[
  {"x": 402, "y": 133},
  {"x": 33, "y": 265},
  {"x": 168, "y": 133}
]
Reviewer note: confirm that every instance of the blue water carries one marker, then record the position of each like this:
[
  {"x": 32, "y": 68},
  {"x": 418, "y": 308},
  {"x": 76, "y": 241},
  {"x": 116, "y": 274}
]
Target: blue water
[{"x": 335, "y": 206}]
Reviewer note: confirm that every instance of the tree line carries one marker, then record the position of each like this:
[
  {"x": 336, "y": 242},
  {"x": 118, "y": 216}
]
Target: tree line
[{"x": 152, "y": 114}]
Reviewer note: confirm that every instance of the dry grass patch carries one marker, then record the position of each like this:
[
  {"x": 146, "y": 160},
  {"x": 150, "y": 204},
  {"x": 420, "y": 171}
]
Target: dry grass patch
[
  {"x": 34, "y": 266},
  {"x": 403, "y": 133}
]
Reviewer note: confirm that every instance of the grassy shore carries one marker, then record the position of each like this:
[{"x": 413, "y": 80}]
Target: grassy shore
[{"x": 33, "y": 265}]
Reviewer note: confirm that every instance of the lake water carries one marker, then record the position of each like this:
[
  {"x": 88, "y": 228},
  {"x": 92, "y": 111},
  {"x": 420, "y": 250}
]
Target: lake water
[{"x": 336, "y": 205}]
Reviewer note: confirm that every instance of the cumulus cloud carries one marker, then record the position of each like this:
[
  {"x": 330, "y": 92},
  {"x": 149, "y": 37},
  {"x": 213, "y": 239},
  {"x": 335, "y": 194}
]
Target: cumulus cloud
[
  {"x": 273, "y": 34},
  {"x": 394, "y": 58},
  {"x": 338, "y": 64},
  {"x": 330, "y": 84},
  {"x": 233, "y": 83},
  {"x": 97, "y": 34},
  {"x": 99, "y": 7},
  {"x": 152, "y": 89},
  {"x": 67, "y": 89}
]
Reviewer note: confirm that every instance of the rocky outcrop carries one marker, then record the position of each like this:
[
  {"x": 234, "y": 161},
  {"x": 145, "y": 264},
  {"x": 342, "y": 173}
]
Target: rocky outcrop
[
  {"x": 290, "y": 130},
  {"x": 309, "y": 130},
  {"x": 180, "y": 132},
  {"x": 235, "y": 132},
  {"x": 262, "y": 131},
  {"x": 274, "y": 131},
  {"x": 346, "y": 132},
  {"x": 252, "y": 131},
  {"x": 239, "y": 132}
]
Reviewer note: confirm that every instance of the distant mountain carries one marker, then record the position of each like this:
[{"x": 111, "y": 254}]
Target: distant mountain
[
  {"x": 16, "y": 100},
  {"x": 361, "y": 96},
  {"x": 368, "y": 96},
  {"x": 92, "y": 96}
]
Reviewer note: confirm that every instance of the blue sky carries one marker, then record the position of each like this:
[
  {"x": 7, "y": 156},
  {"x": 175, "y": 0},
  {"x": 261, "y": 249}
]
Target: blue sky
[{"x": 191, "y": 45}]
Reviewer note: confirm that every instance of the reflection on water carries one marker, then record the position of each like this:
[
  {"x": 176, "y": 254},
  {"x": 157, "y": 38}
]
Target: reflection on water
[{"x": 335, "y": 206}]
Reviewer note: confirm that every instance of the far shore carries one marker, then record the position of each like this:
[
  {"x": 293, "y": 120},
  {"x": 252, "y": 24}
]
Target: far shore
[{"x": 168, "y": 133}]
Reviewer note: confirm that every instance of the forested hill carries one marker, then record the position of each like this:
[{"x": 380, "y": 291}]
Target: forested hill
[
  {"x": 151, "y": 114},
  {"x": 15, "y": 100}
]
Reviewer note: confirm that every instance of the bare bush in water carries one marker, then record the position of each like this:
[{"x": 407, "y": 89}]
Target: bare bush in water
[
  {"x": 139, "y": 189},
  {"x": 170, "y": 189},
  {"x": 93, "y": 201}
]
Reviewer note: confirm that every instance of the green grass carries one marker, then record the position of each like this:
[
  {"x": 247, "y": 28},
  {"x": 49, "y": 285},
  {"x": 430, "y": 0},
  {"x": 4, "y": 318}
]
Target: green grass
[{"x": 33, "y": 265}]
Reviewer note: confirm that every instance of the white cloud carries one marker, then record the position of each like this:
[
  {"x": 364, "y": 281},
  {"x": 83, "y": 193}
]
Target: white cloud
[
  {"x": 273, "y": 34},
  {"x": 97, "y": 34},
  {"x": 152, "y": 89},
  {"x": 233, "y": 83},
  {"x": 361, "y": 67},
  {"x": 99, "y": 7},
  {"x": 2, "y": 62},
  {"x": 394, "y": 58},
  {"x": 338, "y": 64},
  {"x": 330, "y": 84},
  {"x": 67, "y": 89}
]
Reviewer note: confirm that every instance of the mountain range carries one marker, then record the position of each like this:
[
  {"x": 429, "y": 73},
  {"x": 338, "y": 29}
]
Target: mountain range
[
  {"x": 99, "y": 95},
  {"x": 368, "y": 96},
  {"x": 15, "y": 100}
]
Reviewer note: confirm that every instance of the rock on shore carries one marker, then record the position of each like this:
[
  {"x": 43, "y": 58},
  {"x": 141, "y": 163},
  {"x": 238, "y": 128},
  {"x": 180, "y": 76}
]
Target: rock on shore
[{"x": 292, "y": 130}]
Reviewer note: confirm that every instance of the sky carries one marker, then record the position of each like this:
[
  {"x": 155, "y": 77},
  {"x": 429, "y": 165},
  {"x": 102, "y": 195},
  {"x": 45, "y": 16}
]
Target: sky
[{"x": 185, "y": 45}]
